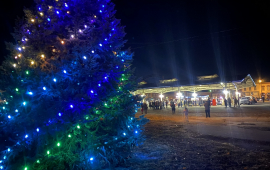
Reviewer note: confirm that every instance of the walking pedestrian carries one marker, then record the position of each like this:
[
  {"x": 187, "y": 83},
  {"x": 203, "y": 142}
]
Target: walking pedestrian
[
  {"x": 166, "y": 104},
  {"x": 207, "y": 109},
  {"x": 225, "y": 102},
  {"x": 186, "y": 114}
]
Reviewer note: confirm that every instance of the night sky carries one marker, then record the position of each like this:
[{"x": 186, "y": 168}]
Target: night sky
[{"x": 184, "y": 38}]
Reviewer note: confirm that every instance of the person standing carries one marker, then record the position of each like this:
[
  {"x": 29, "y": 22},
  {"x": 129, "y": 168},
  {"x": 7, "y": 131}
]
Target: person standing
[
  {"x": 263, "y": 99},
  {"x": 145, "y": 108},
  {"x": 173, "y": 107},
  {"x": 181, "y": 103},
  {"x": 186, "y": 114},
  {"x": 166, "y": 104},
  {"x": 229, "y": 102},
  {"x": 235, "y": 102},
  {"x": 225, "y": 102},
  {"x": 207, "y": 109}
]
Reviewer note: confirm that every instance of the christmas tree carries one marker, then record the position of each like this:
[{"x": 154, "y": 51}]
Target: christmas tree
[{"x": 67, "y": 89}]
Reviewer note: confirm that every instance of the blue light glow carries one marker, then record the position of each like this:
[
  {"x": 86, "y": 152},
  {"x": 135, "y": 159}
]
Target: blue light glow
[
  {"x": 26, "y": 136},
  {"x": 66, "y": 4},
  {"x": 103, "y": 6},
  {"x": 105, "y": 78},
  {"x": 71, "y": 106},
  {"x": 4, "y": 108},
  {"x": 105, "y": 39},
  {"x": 44, "y": 88},
  {"x": 84, "y": 57},
  {"x": 100, "y": 45},
  {"x": 110, "y": 34},
  {"x": 93, "y": 51},
  {"x": 116, "y": 66},
  {"x": 92, "y": 91},
  {"x": 59, "y": 114},
  {"x": 37, "y": 129},
  {"x": 1, "y": 167},
  {"x": 24, "y": 103},
  {"x": 100, "y": 11},
  {"x": 85, "y": 26},
  {"x": 136, "y": 131},
  {"x": 123, "y": 60},
  {"x": 16, "y": 110},
  {"x": 8, "y": 149},
  {"x": 9, "y": 116},
  {"x": 30, "y": 93},
  {"x": 113, "y": 29},
  {"x": 99, "y": 85},
  {"x": 57, "y": 12},
  {"x": 54, "y": 79},
  {"x": 91, "y": 159},
  {"x": 19, "y": 48},
  {"x": 65, "y": 71},
  {"x": 124, "y": 134},
  {"x": 49, "y": 19},
  {"x": 5, "y": 157},
  {"x": 39, "y": 8}
]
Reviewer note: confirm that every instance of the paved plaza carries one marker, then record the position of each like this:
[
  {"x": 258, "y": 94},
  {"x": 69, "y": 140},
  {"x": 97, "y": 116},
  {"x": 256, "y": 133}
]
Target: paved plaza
[{"x": 233, "y": 138}]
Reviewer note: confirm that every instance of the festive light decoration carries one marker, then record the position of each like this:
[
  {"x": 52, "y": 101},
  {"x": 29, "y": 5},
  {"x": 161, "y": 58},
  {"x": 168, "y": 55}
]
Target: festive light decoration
[
  {"x": 32, "y": 20},
  {"x": 67, "y": 57}
]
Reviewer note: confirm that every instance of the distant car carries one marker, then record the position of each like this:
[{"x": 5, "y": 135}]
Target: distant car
[{"x": 245, "y": 100}]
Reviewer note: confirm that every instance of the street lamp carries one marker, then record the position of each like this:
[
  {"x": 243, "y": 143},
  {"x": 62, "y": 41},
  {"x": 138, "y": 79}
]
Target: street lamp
[
  {"x": 161, "y": 96},
  {"x": 225, "y": 92},
  {"x": 260, "y": 81},
  {"x": 179, "y": 95}
]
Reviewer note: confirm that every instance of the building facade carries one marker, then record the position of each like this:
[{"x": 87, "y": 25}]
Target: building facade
[{"x": 262, "y": 89}]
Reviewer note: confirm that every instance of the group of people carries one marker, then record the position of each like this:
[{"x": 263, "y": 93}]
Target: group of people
[{"x": 229, "y": 102}]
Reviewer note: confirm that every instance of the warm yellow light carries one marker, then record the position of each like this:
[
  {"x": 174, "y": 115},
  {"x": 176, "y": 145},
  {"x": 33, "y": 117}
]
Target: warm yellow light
[
  {"x": 42, "y": 55},
  {"x": 25, "y": 39},
  {"x": 62, "y": 42},
  {"x": 23, "y": 47},
  {"x": 14, "y": 65},
  {"x": 32, "y": 20},
  {"x": 53, "y": 50},
  {"x": 19, "y": 55},
  {"x": 32, "y": 62},
  {"x": 260, "y": 81},
  {"x": 41, "y": 14},
  {"x": 68, "y": 12},
  {"x": 95, "y": 16}
]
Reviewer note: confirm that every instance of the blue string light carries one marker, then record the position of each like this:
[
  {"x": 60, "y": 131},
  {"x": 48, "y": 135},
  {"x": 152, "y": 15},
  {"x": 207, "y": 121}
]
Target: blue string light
[
  {"x": 24, "y": 103},
  {"x": 91, "y": 159},
  {"x": 84, "y": 57},
  {"x": 9, "y": 116},
  {"x": 65, "y": 71},
  {"x": 44, "y": 88},
  {"x": 57, "y": 12},
  {"x": 49, "y": 19},
  {"x": 16, "y": 110},
  {"x": 93, "y": 51},
  {"x": 37, "y": 129},
  {"x": 100, "y": 45},
  {"x": 71, "y": 106},
  {"x": 54, "y": 79},
  {"x": 59, "y": 114},
  {"x": 66, "y": 4},
  {"x": 26, "y": 136},
  {"x": 99, "y": 85},
  {"x": 30, "y": 93}
]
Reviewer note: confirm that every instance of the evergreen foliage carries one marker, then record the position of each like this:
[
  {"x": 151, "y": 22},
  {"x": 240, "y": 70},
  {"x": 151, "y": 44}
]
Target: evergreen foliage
[{"x": 67, "y": 90}]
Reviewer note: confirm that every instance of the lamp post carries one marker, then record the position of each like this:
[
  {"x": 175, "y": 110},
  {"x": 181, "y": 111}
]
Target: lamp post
[
  {"x": 225, "y": 92},
  {"x": 179, "y": 95},
  {"x": 194, "y": 95},
  {"x": 161, "y": 96},
  {"x": 260, "y": 81}
]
